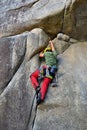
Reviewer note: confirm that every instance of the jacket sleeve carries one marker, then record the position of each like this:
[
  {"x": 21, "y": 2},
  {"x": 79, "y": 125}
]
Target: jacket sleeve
[{"x": 55, "y": 53}]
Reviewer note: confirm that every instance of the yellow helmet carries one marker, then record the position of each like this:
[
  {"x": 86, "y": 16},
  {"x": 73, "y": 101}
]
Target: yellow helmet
[{"x": 47, "y": 49}]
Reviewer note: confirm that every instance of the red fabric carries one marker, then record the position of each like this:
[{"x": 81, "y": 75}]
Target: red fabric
[
  {"x": 44, "y": 85},
  {"x": 34, "y": 79}
]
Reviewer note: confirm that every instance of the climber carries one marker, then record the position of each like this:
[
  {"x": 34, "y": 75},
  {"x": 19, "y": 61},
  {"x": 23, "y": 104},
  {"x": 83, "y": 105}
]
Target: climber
[{"x": 46, "y": 72}]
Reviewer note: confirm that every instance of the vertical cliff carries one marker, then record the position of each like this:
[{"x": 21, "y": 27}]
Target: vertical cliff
[{"x": 25, "y": 27}]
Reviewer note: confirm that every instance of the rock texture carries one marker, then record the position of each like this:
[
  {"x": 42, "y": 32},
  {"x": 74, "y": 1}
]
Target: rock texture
[
  {"x": 25, "y": 28},
  {"x": 65, "y": 107},
  {"x": 12, "y": 51},
  {"x": 51, "y": 15},
  {"x": 16, "y": 98}
]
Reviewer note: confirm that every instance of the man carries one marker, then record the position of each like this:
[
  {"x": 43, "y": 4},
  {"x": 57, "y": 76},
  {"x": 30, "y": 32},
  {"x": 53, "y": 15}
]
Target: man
[{"x": 47, "y": 71}]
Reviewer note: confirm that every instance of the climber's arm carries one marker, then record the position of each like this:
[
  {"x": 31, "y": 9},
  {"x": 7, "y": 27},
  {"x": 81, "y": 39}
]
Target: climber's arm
[
  {"x": 53, "y": 49},
  {"x": 41, "y": 54},
  {"x": 51, "y": 45}
]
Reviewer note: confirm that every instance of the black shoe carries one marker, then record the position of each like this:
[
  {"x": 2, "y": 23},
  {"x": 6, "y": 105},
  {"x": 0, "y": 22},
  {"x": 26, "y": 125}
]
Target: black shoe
[
  {"x": 37, "y": 89},
  {"x": 39, "y": 100}
]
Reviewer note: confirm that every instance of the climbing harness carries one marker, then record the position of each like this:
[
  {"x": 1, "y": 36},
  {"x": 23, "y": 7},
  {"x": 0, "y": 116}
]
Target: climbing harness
[{"x": 47, "y": 71}]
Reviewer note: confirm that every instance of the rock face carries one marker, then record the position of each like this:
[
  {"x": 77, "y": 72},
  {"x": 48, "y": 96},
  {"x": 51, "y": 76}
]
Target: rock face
[
  {"x": 12, "y": 51},
  {"x": 66, "y": 106},
  {"x": 25, "y": 28},
  {"x": 16, "y": 97},
  {"x": 23, "y": 15}
]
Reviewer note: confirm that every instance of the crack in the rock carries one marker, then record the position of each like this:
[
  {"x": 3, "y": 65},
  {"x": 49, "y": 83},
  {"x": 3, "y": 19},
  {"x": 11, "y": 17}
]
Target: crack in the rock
[
  {"x": 34, "y": 116},
  {"x": 24, "y": 6},
  {"x": 44, "y": 4},
  {"x": 30, "y": 113},
  {"x": 64, "y": 12},
  {"x": 63, "y": 17}
]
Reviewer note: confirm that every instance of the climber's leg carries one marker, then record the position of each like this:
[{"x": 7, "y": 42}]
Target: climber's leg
[
  {"x": 34, "y": 79},
  {"x": 44, "y": 87}
]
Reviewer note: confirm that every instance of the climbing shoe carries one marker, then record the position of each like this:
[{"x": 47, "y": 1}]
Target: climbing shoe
[
  {"x": 37, "y": 89},
  {"x": 39, "y": 100}
]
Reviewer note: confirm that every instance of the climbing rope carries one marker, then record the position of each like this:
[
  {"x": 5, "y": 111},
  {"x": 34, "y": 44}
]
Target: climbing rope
[
  {"x": 34, "y": 116},
  {"x": 31, "y": 113}
]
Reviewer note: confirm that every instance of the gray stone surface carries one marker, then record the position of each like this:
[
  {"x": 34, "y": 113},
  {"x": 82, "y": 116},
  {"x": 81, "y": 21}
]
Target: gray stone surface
[
  {"x": 24, "y": 15},
  {"x": 12, "y": 51},
  {"x": 65, "y": 107},
  {"x": 16, "y": 98}
]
